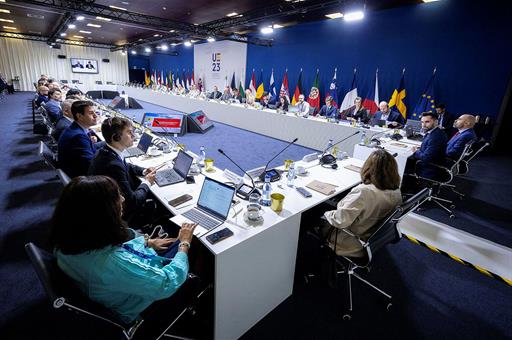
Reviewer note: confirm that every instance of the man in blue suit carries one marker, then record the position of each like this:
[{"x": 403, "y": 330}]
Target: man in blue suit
[
  {"x": 53, "y": 106},
  {"x": 42, "y": 95},
  {"x": 465, "y": 134},
  {"x": 432, "y": 150},
  {"x": 109, "y": 161},
  {"x": 393, "y": 118},
  {"x": 76, "y": 143},
  {"x": 328, "y": 110}
]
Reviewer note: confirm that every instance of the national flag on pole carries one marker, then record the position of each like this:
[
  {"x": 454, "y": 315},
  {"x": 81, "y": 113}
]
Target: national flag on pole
[
  {"x": 371, "y": 102},
  {"x": 397, "y": 99},
  {"x": 426, "y": 103},
  {"x": 241, "y": 89},
  {"x": 147, "y": 79},
  {"x": 314, "y": 95},
  {"x": 171, "y": 80},
  {"x": 188, "y": 82},
  {"x": 183, "y": 82},
  {"x": 351, "y": 95},
  {"x": 261, "y": 87},
  {"x": 192, "y": 81},
  {"x": 252, "y": 84},
  {"x": 285, "y": 90},
  {"x": 272, "y": 87},
  {"x": 233, "y": 83},
  {"x": 153, "y": 77},
  {"x": 165, "y": 79},
  {"x": 159, "y": 79},
  {"x": 333, "y": 90},
  {"x": 298, "y": 89}
]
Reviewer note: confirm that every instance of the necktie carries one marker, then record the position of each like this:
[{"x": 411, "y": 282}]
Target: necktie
[{"x": 455, "y": 135}]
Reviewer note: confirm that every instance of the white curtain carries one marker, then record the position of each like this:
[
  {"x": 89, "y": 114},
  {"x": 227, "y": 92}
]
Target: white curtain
[{"x": 29, "y": 59}]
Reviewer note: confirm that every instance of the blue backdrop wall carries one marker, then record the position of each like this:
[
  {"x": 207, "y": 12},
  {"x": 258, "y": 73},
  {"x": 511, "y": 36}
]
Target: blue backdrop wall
[
  {"x": 468, "y": 42},
  {"x": 165, "y": 62}
]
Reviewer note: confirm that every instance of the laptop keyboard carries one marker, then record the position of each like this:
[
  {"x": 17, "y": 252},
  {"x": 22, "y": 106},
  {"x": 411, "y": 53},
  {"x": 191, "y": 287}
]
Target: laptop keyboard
[
  {"x": 165, "y": 177},
  {"x": 202, "y": 219},
  {"x": 135, "y": 152}
]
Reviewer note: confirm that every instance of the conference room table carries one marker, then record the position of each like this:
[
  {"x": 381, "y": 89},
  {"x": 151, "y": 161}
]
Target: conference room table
[
  {"x": 312, "y": 132},
  {"x": 103, "y": 87},
  {"x": 254, "y": 268}
]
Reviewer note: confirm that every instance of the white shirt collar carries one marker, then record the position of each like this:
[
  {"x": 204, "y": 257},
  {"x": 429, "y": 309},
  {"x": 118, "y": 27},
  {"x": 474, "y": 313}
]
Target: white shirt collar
[{"x": 119, "y": 153}]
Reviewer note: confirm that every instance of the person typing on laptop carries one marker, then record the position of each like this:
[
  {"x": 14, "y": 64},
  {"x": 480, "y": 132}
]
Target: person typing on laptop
[{"x": 109, "y": 161}]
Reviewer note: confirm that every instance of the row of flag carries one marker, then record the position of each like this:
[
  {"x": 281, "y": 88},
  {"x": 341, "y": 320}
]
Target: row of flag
[{"x": 370, "y": 100}]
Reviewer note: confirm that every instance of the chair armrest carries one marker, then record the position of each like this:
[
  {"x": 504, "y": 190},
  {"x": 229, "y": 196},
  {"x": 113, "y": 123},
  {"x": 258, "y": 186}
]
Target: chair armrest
[{"x": 447, "y": 171}]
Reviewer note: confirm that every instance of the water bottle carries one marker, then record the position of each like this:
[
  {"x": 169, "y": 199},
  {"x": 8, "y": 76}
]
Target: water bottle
[
  {"x": 329, "y": 146},
  {"x": 363, "y": 140},
  {"x": 202, "y": 155},
  {"x": 291, "y": 175},
  {"x": 267, "y": 190}
]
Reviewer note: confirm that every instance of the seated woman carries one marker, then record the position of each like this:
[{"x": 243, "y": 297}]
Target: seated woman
[
  {"x": 109, "y": 263},
  {"x": 366, "y": 204},
  {"x": 282, "y": 104}
]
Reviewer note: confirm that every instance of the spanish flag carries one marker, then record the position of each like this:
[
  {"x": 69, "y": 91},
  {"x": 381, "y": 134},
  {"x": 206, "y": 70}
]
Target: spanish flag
[{"x": 397, "y": 99}]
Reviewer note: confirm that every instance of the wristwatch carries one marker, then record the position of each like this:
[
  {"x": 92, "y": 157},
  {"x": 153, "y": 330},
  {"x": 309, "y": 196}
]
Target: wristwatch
[{"x": 184, "y": 244}]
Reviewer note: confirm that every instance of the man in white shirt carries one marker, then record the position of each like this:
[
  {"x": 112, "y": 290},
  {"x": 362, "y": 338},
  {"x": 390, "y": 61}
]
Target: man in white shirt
[{"x": 302, "y": 107}]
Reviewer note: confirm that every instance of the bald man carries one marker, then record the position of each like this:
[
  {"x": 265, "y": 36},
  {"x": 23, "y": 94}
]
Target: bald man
[
  {"x": 465, "y": 134},
  {"x": 42, "y": 95}
]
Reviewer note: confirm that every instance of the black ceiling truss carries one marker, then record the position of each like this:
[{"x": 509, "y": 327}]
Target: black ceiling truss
[
  {"x": 57, "y": 41},
  {"x": 61, "y": 27}
]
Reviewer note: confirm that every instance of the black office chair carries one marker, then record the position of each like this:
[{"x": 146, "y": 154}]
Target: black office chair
[
  {"x": 475, "y": 149},
  {"x": 384, "y": 233},
  {"x": 47, "y": 155},
  {"x": 63, "y": 292},
  {"x": 64, "y": 179}
]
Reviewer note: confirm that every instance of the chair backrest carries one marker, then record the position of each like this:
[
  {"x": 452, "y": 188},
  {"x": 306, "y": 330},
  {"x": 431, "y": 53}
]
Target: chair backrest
[
  {"x": 387, "y": 231},
  {"x": 46, "y": 269},
  {"x": 47, "y": 155},
  {"x": 63, "y": 177},
  {"x": 474, "y": 149},
  {"x": 64, "y": 81}
]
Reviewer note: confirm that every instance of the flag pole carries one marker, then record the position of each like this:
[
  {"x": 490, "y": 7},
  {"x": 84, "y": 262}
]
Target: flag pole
[{"x": 435, "y": 70}]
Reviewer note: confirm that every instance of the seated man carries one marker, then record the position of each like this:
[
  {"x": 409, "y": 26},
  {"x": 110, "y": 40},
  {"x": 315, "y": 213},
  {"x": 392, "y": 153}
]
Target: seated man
[
  {"x": 264, "y": 101},
  {"x": 432, "y": 150},
  {"x": 227, "y": 94},
  {"x": 42, "y": 95},
  {"x": 109, "y": 161},
  {"x": 215, "y": 94},
  {"x": 394, "y": 118},
  {"x": 357, "y": 112},
  {"x": 65, "y": 121},
  {"x": 53, "y": 106},
  {"x": 76, "y": 144},
  {"x": 237, "y": 95},
  {"x": 328, "y": 110},
  {"x": 445, "y": 120},
  {"x": 465, "y": 134},
  {"x": 302, "y": 107}
]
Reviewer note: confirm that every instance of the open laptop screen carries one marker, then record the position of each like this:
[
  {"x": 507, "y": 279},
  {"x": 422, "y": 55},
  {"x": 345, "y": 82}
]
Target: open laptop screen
[
  {"x": 145, "y": 142},
  {"x": 183, "y": 163},
  {"x": 216, "y": 197}
]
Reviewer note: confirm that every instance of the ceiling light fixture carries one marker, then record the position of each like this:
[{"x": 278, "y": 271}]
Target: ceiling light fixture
[
  {"x": 72, "y": 26},
  {"x": 78, "y": 36},
  {"x": 187, "y": 43},
  {"x": 86, "y": 32},
  {"x": 156, "y": 35},
  {"x": 267, "y": 30},
  {"x": 63, "y": 34},
  {"x": 134, "y": 52},
  {"x": 353, "y": 16},
  {"x": 115, "y": 7},
  {"x": 430, "y": 0},
  {"x": 93, "y": 25},
  {"x": 5, "y": 11},
  {"x": 210, "y": 39},
  {"x": 172, "y": 31},
  {"x": 7, "y": 20},
  {"x": 164, "y": 47},
  {"x": 336, "y": 15},
  {"x": 232, "y": 14},
  {"x": 174, "y": 44},
  {"x": 147, "y": 50},
  {"x": 80, "y": 18},
  {"x": 104, "y": 19},
  {"x": 10, "y": 28}
]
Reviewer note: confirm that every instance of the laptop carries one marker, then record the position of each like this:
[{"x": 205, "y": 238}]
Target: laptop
[
  {"x": 178, "y": 173},
  {"x": 141, "y": 148},
  {"x": 379, "y": 122},
  {"x": 213, "y": 204}
]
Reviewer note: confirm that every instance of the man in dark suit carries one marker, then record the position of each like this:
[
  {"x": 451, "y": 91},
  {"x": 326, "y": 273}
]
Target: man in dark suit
[
  {"x": 432, "y": 150},
  {"x": 328, "y": 110},
  {"x": 77, "y": 144},
  {"x": 394, "y": 118},
  {"x": 53, "y": 105},
  {"x": 465, "y": 134},
  {"x": 42, "y": 95},
  {"x": 357, "y": 112},
  {"x": 445, "y": 120},
  {"x": 65, "y": 121},
  {"x": 215, "y": 94},
  {"x": 109, "y": 161}
]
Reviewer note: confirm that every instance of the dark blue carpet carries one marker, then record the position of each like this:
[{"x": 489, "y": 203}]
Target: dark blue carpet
[{"x": 434, "y": 297}]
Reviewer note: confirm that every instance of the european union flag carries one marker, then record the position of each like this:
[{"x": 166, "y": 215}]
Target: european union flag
[{"x": 426, "y": 103}]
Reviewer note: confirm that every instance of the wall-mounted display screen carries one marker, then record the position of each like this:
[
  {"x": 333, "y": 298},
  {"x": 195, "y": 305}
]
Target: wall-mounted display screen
[{"x": 80, "y": 65}]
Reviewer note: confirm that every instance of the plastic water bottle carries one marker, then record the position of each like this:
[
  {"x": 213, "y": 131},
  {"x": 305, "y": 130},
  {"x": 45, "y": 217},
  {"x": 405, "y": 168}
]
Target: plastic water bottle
[
  {"x": 291, "y": 175},
  {"x": 202, "y": 155},
  {"x": 329, "y": 146},
  {"x": 363, "y": 140},
  {"x": 267, "y": 190}
]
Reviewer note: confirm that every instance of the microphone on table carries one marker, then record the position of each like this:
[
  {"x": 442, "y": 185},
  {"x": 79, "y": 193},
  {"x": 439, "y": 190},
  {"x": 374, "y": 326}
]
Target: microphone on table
[
  {"x": 330, "y": 159},
  {"x": 244, "y": 191},
  {"x": 274, "y": 175},
  {"x": 167, "y": 134}
]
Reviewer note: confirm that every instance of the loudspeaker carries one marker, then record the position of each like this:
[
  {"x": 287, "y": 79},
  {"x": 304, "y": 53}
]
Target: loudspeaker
[
  {"x": 105, "y": 60},
  {"x": 61, "y": 56}
]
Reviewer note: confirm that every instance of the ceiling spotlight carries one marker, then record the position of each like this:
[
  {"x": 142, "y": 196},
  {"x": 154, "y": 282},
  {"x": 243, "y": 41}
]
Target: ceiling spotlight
[
  {"x": 164, "y": 47},
  {"x": 9, "y": 28},
  {"x": 174, "y": 44},
  {"x": 187, "y": 43},
  {"x": 115, "y": 7},
  {"x": 123, "y": 52},
  {"x": 267, "y": 30},
  {"x": 103, "y": 19},
  {"x": 172, "y": 31},
  {"x": 232, "y": 14},
  {"x": 156, "y": 35},
  {"x": 72, "y": 26},
  {"x": 134, "y": 52},
  {"x": 93, "y": 25},
  {"x": 5, "y": 11},
  {"x": 63, "y": 34},
  {"x": 147, "y": 50},
  {"x": 353, "y": 16},
  {"x": 210, "y": 39},
  {"x": 80, "y": 18},
  {"x": 78, "y": 36},
  {"x": 86, "y": 32},
  {"x": 7, "y": 20},
  {"x": 336, "y": 15}
]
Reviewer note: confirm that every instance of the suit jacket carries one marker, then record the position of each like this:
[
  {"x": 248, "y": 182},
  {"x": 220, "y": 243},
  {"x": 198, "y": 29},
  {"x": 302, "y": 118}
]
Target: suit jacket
[
  {"x": 215, "y": 95},
  {"x": 359, "y": 212},
  {"x": 457, "y": 143},
  {"x": 331, "y": 112},
  {"x": 394, "y": 116},
  {"x": 62, "y": 124},
  {"x": 54, "y": 110},
  {"x": 41, "y": 99},
  {"x": 446, "y": 122},
  {"x": 107, "y": 162},
  {"x": 432, "y": 150},
  {"x": 76, "y": 150},
  {"x": 226, "y": 96},
  {"x": 361, "y": 114}
]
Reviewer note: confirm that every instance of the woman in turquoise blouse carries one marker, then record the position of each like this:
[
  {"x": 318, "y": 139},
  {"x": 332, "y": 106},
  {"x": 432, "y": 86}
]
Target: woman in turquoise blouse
[{"x": 110, "y": 263}]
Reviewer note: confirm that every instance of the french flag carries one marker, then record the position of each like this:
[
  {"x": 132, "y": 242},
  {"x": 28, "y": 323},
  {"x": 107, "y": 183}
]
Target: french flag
[{"x": 371, "y": 102}]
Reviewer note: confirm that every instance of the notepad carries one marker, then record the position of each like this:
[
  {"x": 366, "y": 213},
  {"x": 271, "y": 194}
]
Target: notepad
[
  {"x": 353, "y": 168},
  {"x": 321, "y": 187}
]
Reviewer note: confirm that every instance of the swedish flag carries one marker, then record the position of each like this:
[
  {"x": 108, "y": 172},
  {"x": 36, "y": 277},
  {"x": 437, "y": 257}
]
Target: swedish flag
[
  {"x": 397, "y": 99},
  {"x": 427, "y": 102}
]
